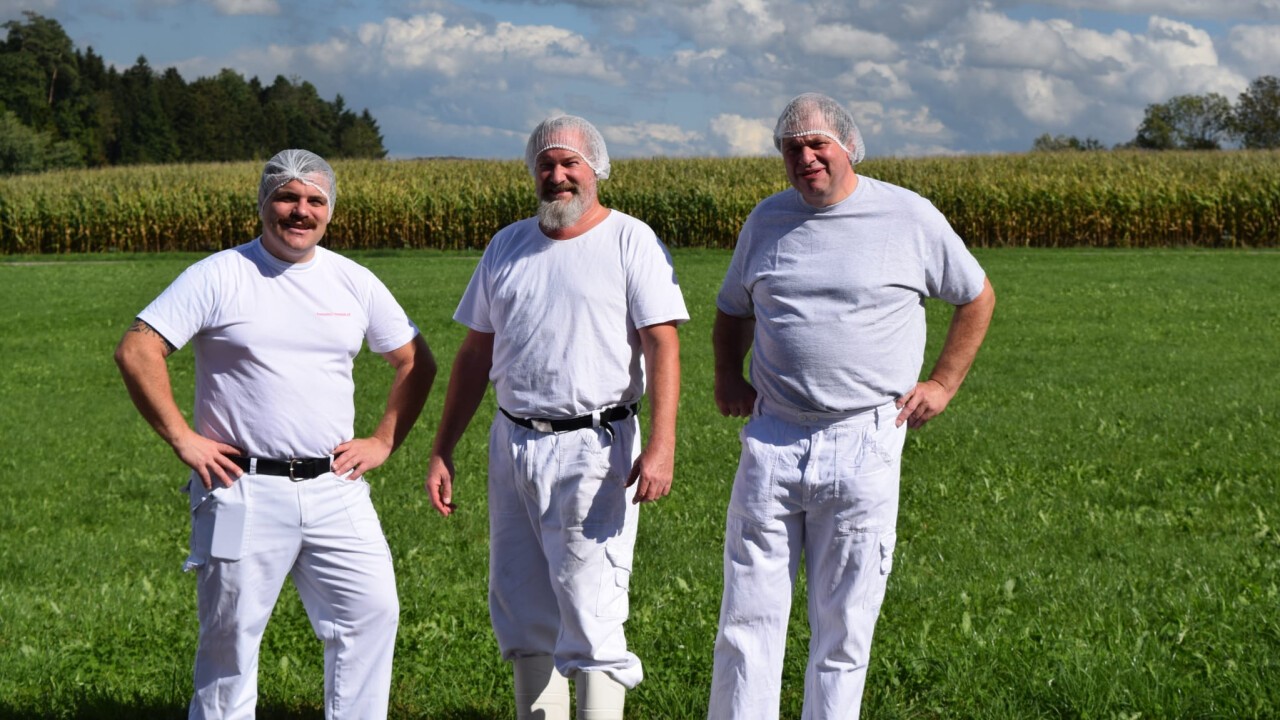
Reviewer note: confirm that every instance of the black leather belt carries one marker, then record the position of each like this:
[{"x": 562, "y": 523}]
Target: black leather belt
[
  {"x": 295, "y": 469},
  {"x": 554, "y": 425}
]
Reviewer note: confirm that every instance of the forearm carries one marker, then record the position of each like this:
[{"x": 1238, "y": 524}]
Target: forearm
[
  {"x": 731, "y": 339},
  {"x": 964, "y": 337},
  {"x": 414, "y": 377},
  {"x": 468, "y": 381}
]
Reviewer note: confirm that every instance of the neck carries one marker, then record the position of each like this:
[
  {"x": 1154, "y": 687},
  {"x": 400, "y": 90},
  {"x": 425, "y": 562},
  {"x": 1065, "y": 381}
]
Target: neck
[
  {"x": 591, "y": 218},
  {"x": 839, "y": 195},
  {"x": 283, "y": 252}
]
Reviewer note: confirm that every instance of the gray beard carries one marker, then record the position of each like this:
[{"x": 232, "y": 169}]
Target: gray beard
[{"x": 560, "y": 214}]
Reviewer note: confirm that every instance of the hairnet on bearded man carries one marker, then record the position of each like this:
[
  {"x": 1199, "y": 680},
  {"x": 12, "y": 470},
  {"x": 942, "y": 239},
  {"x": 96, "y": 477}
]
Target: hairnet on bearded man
[
  {"x": 817, "y": 114},
  {"x": 568, "y": 132}
]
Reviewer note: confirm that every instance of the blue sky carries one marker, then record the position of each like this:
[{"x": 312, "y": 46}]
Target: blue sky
[{"x": 706, "y": 77}]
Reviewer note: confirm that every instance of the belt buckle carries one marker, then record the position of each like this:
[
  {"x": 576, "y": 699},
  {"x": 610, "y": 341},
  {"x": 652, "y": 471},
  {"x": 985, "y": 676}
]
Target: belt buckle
[
  {"x": 541, "y": 426},
  {"x": 293, "y": 463}
]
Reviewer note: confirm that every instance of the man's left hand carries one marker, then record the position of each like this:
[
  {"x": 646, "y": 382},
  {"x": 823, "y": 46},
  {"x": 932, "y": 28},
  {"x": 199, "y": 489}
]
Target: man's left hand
[
  {"x": 923, "y": 403},
  {"x": 360, "y": 456},
  {"x": 653, "y": 470}
]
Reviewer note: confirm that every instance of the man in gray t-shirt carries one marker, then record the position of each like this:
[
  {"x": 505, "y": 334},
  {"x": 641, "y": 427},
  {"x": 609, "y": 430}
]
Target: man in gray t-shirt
[{"x": 827, "y": 288}]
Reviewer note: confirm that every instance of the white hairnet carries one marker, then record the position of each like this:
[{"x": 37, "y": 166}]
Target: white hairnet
[
  {"x": 817, "y": 114},
  {"x": 568, "y": 132},
  {"x": 294, "y": 164}
]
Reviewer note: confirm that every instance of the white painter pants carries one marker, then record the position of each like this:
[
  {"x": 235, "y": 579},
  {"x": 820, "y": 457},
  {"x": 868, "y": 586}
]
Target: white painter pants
[
  {"x": 562, "y": 531},
  {"x": 831, "y": 491},
  {"x": 324, "y": 534}
]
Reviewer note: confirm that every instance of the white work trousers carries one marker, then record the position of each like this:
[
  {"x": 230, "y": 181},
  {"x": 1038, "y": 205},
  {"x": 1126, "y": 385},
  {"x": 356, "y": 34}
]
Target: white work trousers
[
  {"x": 831, "y": 491},
  {"x": 324, "y": 534},
  {"x": 562, "y": 531}
]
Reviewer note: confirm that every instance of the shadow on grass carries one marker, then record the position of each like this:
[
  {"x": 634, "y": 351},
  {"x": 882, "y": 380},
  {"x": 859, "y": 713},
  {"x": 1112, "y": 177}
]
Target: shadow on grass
[
  {"x": 115, "y": 709},
  {"x": 105, "y": 708}
]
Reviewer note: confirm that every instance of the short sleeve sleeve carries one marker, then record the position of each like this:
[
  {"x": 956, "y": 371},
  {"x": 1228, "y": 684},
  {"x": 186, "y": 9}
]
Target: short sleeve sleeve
[
  {"x": 389, "y": 326},
  {"x": 185, "y": 307},
  {"x": 734, "y": 298},
  {"x": 952, "y": 273},
  {"x": 473, "y": 309},
  {"x": 653, "y": 292}
]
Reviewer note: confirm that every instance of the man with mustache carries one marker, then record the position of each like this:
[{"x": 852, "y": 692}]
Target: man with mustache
[
  {"x": 567, "y": 314},
  {"x": 276, "y": 484},
  {"x": 826, "y": 289}
]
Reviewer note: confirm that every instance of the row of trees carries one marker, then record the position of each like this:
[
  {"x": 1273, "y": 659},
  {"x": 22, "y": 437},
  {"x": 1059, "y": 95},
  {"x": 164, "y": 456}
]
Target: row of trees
[
  {"x": 1198, "y": 122},
  {"x": 60, "y": 107}
]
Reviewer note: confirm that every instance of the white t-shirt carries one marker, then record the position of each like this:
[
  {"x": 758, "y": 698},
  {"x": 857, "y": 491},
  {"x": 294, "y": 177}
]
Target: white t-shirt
[
  {"x": 838, "y": 295},
  {"x": 564, "y": 314},
  {"x": 274, "y": 344}
]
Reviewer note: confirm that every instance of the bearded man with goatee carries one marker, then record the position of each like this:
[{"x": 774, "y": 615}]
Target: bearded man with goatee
[{"x": 569, "y": 314}]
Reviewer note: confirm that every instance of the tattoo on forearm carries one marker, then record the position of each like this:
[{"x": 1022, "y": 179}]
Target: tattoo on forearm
[{"x": 140, "y": 326}]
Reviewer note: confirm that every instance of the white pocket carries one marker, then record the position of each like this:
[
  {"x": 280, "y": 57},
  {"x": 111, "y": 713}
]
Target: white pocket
[
  {"x": 228, "y": 529},
  {"x": 218, "y": 519}
]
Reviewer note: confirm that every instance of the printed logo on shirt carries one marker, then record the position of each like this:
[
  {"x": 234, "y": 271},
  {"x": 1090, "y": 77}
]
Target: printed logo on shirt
[{"x": 333, "y": 314}]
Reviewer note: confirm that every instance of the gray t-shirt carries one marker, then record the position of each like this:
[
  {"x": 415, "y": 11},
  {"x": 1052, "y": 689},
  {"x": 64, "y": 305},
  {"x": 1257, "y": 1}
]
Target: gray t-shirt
[{"x": 838, "y": 296}]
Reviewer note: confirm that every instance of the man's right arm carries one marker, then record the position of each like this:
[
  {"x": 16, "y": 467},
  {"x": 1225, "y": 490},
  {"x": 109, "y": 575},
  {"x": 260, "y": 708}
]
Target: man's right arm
[
  {"x": 468, "y": 381},
  {"x": 731, "y": 339},
  {"x": 141, "y": 358}
]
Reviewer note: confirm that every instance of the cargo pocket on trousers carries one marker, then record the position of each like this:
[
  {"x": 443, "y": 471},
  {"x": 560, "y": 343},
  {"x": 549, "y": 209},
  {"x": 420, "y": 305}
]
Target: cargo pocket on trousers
[
  {"x": 885, "y": 546},
  {"x": 217, "y": 525},
  {"x": 615, "y": 584}
]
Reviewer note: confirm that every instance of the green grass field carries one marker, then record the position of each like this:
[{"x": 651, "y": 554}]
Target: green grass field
[{"x": 1092, "y": 530}]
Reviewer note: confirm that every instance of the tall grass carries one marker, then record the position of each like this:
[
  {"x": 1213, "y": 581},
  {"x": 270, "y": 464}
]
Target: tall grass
[
  {"x": 1098, "y": 199},
  {"x": 1091, "y": 530}
]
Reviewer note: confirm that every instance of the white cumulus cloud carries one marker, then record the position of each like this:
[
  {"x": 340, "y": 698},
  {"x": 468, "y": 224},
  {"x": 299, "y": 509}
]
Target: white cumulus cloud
[
  {"x": 644, "y": 139},
  {"x": 743, "y": 136},
  {"x": 247, "y": 7},
  {"x": 1257, "y": 46}
]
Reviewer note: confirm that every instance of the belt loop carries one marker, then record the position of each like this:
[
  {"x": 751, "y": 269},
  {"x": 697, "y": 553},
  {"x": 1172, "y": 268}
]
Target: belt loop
[
  {"x": 595, "y": 418},
  {"x": 253, "y": 466}
]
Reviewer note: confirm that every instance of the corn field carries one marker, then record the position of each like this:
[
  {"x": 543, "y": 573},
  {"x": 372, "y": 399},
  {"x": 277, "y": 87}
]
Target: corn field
[{"x": 1093, "y": 199}]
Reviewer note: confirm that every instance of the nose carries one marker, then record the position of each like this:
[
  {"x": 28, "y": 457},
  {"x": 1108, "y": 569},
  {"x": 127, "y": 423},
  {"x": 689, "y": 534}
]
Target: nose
[{"x": 556, "y": 175}]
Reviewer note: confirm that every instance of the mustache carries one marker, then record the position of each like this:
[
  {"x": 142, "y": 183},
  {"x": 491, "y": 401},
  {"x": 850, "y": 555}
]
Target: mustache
[{"x": 560, "y": 187}]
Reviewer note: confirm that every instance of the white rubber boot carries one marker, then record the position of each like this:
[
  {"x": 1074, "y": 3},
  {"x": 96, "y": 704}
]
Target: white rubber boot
[
  {"x": 600, "y": 697},
  {"x": 542, "y": 693}
]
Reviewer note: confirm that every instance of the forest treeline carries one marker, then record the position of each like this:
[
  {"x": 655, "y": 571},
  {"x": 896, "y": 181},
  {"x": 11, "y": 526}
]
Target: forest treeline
[{"x": 61, "y": 107}]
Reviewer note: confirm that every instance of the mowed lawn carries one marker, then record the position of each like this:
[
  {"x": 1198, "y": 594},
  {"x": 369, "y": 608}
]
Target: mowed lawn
[{"x": 1092, "y": 529}]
